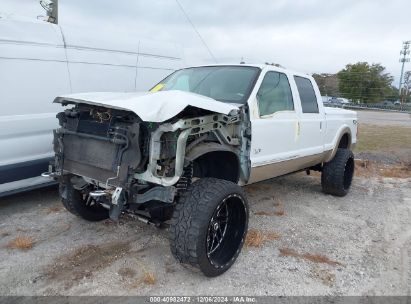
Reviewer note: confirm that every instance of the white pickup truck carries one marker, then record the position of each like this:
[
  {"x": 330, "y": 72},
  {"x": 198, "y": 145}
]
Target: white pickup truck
[{"x": 181, "y": 152}]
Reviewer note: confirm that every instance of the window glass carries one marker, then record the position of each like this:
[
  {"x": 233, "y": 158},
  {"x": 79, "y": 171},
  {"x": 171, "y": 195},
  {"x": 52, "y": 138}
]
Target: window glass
[
  {"x": 307, "y": 95},
  {"x": 223, "y": 83},
  {"x": 274, "y": 94}
]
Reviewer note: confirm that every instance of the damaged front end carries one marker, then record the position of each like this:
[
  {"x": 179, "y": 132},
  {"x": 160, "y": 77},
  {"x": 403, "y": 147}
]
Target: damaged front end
[
  {"x": 97, "y": 143},
  {"x": 96, "y": 150},
  {"x": 121, "y": 163}
]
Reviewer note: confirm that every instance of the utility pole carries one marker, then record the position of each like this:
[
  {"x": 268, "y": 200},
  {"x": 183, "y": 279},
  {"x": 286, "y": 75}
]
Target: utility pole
[
  {"x": 51, "y": 8},
  {"x": 404, "y": 52},
  {"x": 407, "y": 84}
]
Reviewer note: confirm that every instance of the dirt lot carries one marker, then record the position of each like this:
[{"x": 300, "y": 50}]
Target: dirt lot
[{"x": 301, "y": 242}]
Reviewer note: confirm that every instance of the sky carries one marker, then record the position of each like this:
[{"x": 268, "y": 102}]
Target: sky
[{"x": 312, "y": 36}]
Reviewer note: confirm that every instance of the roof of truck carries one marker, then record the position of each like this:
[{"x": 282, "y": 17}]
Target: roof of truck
[{"x": 257, "y": 65}]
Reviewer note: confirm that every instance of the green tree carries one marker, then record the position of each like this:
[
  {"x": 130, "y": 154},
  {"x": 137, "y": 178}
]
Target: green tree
[
  {"x": 327, "y": 83},
  {"x": 365, "y": 83},
  {"x": 392, "y": 94}
]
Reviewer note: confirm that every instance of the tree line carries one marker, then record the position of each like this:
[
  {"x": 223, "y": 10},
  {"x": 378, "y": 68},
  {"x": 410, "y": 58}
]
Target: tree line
[{"x": 363, "y": 82}]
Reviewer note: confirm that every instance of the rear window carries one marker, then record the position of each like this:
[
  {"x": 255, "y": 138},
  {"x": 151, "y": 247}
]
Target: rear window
[{"x": 307, "y": 95}]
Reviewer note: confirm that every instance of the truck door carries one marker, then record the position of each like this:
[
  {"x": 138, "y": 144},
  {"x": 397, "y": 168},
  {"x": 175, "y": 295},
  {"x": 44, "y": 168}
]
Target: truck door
[
  {"x": 274, "y": 143},
  {"x": 312, "y": 121}
]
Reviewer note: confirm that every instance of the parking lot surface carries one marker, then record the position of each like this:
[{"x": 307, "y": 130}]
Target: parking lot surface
[
  {"x": 307, "y": 243},
  {"x": 384, "y": 118}
]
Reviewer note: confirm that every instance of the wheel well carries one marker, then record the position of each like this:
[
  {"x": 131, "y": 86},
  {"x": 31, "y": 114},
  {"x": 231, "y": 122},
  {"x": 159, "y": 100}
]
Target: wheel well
[
  {"x": 344, "y": 141},
  {"x": 217, "y": 164}
]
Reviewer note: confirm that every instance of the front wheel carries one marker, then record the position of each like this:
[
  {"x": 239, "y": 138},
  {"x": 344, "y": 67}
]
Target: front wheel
[
  {"x": 80, "y": 203},
  {"x": 209, "y": 225},
  {"x": 337, "y": 174}
]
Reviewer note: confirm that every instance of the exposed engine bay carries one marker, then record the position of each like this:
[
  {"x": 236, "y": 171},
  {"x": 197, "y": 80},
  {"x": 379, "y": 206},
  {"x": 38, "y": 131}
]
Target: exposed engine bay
[{"x": 125, "y": 164}]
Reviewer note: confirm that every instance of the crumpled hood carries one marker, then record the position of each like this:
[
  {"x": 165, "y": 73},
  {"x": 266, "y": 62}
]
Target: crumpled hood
[{"x": 154, "y": 107}]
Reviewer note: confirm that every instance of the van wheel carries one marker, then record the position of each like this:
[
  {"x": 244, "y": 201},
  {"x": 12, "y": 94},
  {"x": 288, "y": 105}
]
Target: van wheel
[
  {"x": 338, "y": 173},
  {"x": 79, "y": 203},
  {"x": 209, "y": 225}
]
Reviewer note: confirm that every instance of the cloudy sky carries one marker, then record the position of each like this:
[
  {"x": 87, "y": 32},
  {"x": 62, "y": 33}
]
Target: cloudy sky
[{"x": 305, "y": 35}]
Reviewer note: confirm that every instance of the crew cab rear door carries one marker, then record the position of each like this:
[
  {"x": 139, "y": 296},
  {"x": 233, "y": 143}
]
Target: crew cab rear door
[{"x": 311, "y": 129}]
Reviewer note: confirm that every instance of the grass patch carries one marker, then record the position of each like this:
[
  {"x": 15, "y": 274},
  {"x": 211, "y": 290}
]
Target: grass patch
[
  {"x": 53, "y": 209},
  {"x": 82, "y": 262},
  {"x": 369, "y": 169},
  {"x": 126, "y": 272},
  {"x": 396, "y": 171},
  {"x": 324, "y": 275},
  {"x": 272, "y": 236},
  {"x": 382, "y": 138},
  {"x": 315, "y": 258},
  {"x": 148, "y": 278},
  {"x": 261, "y": 213},
  {"x": 279, "y": 210},
  {"x": 257, "y": 238},
  {"x": 21, "y": 243}
]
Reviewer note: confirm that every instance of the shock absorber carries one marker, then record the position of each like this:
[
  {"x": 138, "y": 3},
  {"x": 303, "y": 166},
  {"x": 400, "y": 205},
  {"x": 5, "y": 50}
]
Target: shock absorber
[{"x": 185, "y": 180}]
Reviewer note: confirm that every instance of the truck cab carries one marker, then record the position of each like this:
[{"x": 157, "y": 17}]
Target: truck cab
[{"x": 291, "y": 129}]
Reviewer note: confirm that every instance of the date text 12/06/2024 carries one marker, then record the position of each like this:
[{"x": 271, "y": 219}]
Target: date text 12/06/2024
[{"x": 203, "y": 299}]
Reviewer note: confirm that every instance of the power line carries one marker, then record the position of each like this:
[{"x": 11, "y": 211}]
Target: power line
[
  {"x": 342, "y": 72},
  {"x": 198, "y": 33},
  {"x": 366, "y": 88}
]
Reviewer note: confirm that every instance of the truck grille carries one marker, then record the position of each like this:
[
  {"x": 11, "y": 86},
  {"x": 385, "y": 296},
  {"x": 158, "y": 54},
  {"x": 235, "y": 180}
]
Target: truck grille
[{"x": 97, "y": 146}]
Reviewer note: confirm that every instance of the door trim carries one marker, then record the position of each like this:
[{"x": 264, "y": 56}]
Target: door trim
[{"x": 263, "y": 172}]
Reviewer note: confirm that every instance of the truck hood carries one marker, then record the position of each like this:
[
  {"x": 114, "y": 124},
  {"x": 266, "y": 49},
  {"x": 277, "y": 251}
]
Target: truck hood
[{"x": 154, "y": 107}]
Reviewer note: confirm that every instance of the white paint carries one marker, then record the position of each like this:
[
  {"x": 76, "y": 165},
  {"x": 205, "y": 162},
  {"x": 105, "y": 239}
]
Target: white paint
[
  {"x": 288, "y": 135},
  {"x": 337, "y": 120},
  {"x": 154, "y": 107},
  {"x": 39, "y": 61}
]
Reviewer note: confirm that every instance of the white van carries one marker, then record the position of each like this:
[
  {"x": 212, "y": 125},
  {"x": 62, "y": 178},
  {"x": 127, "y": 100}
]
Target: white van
[{"x": 39, "y": 61}]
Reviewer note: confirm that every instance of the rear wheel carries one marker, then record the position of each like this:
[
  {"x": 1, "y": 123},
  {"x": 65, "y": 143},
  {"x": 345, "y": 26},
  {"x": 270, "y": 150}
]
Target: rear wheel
[
  {"x": 337, "y": 174},
  {"x": 209, "y": 225},
  {"x": 80, "y": 203}
]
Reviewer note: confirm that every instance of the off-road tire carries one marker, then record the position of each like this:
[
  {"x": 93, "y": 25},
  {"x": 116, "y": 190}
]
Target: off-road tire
[
  {"x": 338, "y": 173},
  {"x": 191, "y": 222},
  {"x": 73, "y": 201}
]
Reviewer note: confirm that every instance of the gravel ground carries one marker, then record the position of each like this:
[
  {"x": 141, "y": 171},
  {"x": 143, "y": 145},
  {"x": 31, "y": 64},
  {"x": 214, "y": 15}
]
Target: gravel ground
[{"x": 357, "y": 245}]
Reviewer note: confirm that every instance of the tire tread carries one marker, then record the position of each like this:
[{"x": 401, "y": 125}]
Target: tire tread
[
  {"x": 332, "y": 177},
  {"x": 190, "y": 214}
]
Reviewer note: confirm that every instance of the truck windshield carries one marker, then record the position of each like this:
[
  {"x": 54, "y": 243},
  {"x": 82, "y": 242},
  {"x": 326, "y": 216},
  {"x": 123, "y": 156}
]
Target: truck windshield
[{"x": 231, "y": 84}]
